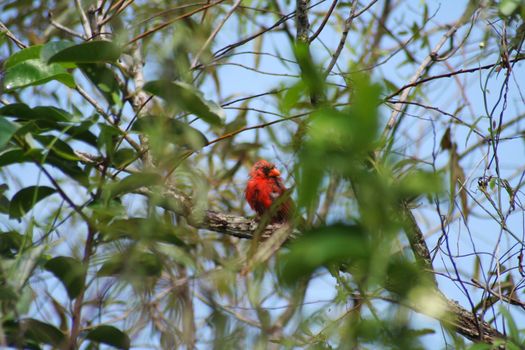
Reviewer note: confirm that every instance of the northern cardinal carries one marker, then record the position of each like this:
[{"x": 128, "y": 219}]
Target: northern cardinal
[{"x": 264, "y": 187}]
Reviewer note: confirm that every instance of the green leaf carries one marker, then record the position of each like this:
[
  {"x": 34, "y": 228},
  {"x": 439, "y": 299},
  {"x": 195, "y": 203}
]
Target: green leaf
[
  {"x": 32, "y": 52},
  {"x": 109, "y": 335},
  {"x": 8, "y": 294},
  {"x": 32, "y": 128},
  {"x": 123, "y": 156},
  {"x": 310, "y": 177},
  {"x": 81, "y": 132},
  {"x": 513, "y": 330},
  {"x": 310, "y": 73},
  {"x": 172, "y": 131},
  {"x": 339, "y": 140},
  {"x": 107, "y": 137},
  {"x": 4, "y": 204},
  {"x": 187, "y": 98},
  {"x": 14, "y": 156},
  {"x": 403, "y": 276},
  {"x": 57, "y": 146},
  {"x": 26, "y": 198},
  {"x": 105, "y": 212},
  {"x": 68, "y": 167},
  {"x": 105, "y": 80},
  {"x": 42, "y": 332},
  {"x": 22, "y": 268},
  {"x": 507, "y": 7},
  {"x": 133, "y": 182},
  {"x": 70, "y": 272},
  {"x": 7, "y": 130},
  {"x": 292, "y": 96},
  {"x": 29, "y": 331},
  {"x": 446, "y": 140},
  {"x": 417, "y": 182},
  {"x": 35, "y": 72},
  {"x": 52, "y": 47},
  {"x": 51, "y": 118},
  {"x": 389, "y": 85},
  {"x": 492, "y": 183},
  {"x": 88, "y": 52},
  {"x": 326, "y": 245},
  {"x": 24, "y": 112},
  {"x": 10, "y": 243}
]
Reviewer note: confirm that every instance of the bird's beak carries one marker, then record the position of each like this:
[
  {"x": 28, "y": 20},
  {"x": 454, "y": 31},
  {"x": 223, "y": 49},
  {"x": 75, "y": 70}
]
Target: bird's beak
[{"x": 274, "y": 173}]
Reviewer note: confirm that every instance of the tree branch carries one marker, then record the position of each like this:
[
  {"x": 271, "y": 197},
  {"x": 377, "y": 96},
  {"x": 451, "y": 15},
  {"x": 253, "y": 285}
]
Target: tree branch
[
  {"x": 460, "y": 319},
  {"x": 230, "y": 224},
  {"x": 448, "y": 75},
  {"x": 323, "y": 23},
  {"x": 301, "y": 18},
  {"x": 450, "y": 312}
]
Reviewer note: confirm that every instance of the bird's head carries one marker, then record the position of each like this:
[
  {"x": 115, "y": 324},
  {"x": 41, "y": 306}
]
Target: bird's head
[{"x": 264, "y": 169}]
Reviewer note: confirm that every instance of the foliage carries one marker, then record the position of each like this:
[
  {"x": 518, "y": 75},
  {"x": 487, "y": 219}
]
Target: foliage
[{"x": 126, "y": 132}]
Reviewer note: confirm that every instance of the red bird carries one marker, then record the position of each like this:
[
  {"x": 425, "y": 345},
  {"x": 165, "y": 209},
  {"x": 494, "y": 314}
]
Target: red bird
[{"x": 264, "y": 187}]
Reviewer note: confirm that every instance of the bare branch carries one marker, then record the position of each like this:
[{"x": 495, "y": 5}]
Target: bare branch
[
  {"x": 214, "y": 33},
  {"x": 11, "y": 36},
  {"x": 346, "y": 29},
  {"x": 301, "y": 18},
  {"x": 422, "y": 68},
  {"x": 323, "y": 23}
]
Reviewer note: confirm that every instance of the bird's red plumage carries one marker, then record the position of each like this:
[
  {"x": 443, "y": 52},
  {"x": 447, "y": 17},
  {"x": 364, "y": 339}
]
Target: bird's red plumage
[{"x": 264, "y": 187}]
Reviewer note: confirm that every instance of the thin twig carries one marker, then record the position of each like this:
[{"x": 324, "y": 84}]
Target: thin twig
[
  {"x": 271, "y": 92},
  {"x": 173, "y": 9},
  {"x": 422, "y": 68},
  {"x": 84, "y": 20},
  {"x": 259, "y": 126},
  {"x": 100, "y": 110},
  {"x": 214, "y": 33},
  {"x": 346, "y": 29},
  {"x": 122, "y": 7},
  {"x": 471, "y": 127},
  {"x": 79, "y": 301},
  {"x": 323, "y": 23},
  {"x": 223, "y": 51},
  {"x": 448, "y": 75},
  {"x": 64, "y": 28},
  {"x": 11, "y": 36},
  {"x": 167, "y": 23}
]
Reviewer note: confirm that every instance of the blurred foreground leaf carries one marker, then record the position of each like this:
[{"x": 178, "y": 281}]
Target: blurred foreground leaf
[
  {"x": 339, "y": 140},
  {"x": 131, "y": 183},
  {"x": 321, "y": 247},
  {"x": 171, "y": 130},
  {"x": 142, "y": 229}
]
